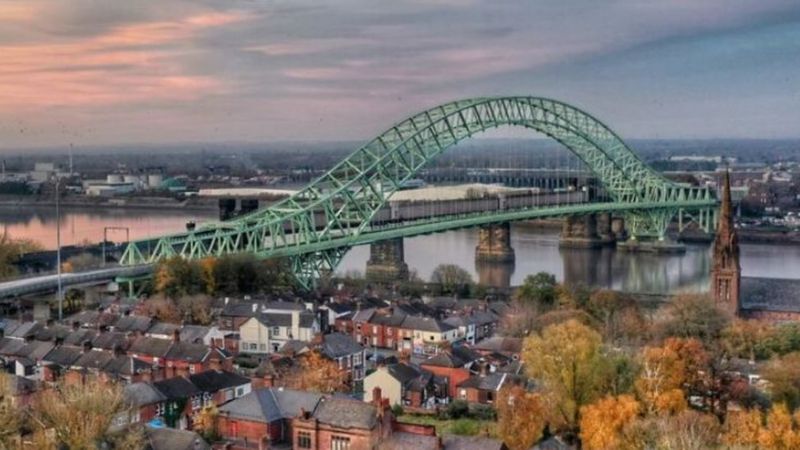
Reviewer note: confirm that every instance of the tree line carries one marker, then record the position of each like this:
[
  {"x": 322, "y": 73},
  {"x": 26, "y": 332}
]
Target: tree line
[{"x": 607, "y": 374}]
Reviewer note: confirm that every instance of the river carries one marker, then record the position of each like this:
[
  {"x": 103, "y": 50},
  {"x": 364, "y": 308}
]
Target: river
[{"x": 536, "y": 250}]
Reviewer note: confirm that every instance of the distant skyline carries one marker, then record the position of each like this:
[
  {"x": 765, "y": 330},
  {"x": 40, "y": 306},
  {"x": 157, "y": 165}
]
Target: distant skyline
[{"x": 99, "y": 72}]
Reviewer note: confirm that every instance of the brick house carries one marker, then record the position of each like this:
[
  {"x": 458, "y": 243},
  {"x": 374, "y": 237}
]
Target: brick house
[
  {"x": 405, "y": 385},
  {"x": 452, "y": 366},
  {"x": 264, "y": 415},
  {"x": 304, "y": 420}
]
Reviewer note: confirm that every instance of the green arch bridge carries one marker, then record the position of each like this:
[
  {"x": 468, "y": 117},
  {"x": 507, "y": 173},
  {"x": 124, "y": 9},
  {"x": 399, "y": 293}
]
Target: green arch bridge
[{"x": 315, "y": 227}]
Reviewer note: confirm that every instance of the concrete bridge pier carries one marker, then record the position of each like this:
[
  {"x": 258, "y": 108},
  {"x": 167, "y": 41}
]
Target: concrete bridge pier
[
  {"x": 232, "y": 207},
  {"x": 604, "y": 229},
  {"x": 387, "y": 261},
  {"x": 618, "y": 229},
  {"x": 580, "y": 232},
  {"x": 494, "y": 244}
]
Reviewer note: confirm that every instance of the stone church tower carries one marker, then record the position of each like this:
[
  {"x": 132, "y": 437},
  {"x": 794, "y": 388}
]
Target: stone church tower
[{"x": 726, "y": 272}]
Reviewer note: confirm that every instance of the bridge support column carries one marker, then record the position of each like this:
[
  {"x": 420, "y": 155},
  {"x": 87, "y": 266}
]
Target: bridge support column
[
  {"x": 494, "y": 244},
  {"x": 387, "y": 261},
  {"x": 604, "y": 231},
  {"x": 648, "y": 233},
  {"x": 580, "y": 232},
  {"x": 618, "y": 229}
]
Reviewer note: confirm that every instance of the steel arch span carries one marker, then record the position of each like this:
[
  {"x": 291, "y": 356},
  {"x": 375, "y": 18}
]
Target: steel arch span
[{"x": 318, "y": 224}]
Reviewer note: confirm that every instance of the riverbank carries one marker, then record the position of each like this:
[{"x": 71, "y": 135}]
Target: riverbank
[{"x": 137, "y": 203}]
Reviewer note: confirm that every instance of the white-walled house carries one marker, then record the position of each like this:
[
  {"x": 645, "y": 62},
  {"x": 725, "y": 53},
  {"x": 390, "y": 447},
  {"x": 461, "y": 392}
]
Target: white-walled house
[{"x": 267, "y": 332}]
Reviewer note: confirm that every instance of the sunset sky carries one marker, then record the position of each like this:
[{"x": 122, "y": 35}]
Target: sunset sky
[{"x": 97, "y": 72}]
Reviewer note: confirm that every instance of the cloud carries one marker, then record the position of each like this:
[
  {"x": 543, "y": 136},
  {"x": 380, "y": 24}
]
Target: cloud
[
  {"x": 347, "y": 69},
  {"x": 128, "y": 63}
]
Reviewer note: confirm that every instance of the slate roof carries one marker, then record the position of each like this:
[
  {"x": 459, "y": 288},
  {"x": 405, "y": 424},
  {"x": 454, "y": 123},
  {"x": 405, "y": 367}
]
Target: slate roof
[
  {"x": 172, "y": 439},
  {"x": 146, "y": 345},
  {"x": 9, "y": 346},
  {"x": 346, "y": 413},
  {"x": 142, "y": 393},
  {"x": 770, "y": 294},
  {"x": 23, "y": 330},
  {"x": 216, "y": 380},
  {"x": 445, "y": 359},
  {"x": 52, "y": 333},
  {"x": 34, "y": 350},
  {"x": 277, "y": 319},
  {"x": 363, "y": 315},
  {"x": 336, "y": 345},
  {"x": 110, "y": 340},
  {"x": 163, "y": 328},
  {"x": 94, "y": 359},
  {"x": 465, "y": 353},
  {"x": 269, "y": 405},
  {"x": 133, "y": 323},
  {"x": 500, "y": 344},
  {"x": 339, "y": 308},
  {"x": 63, "y": 355},
  {"x": 125, "y": 365},
  {"x": 176, "y": 388},
  {"x": 241, "y": 309},
  {"x": 426, "y": 324},
  {"x": 403, "y": 373},
  {"x": 78, "y": 337},
  {"x": 187, "y": 351},
  {"x": 390, "y": 320},
  {"x": 194, "y": 333},
  {"x": 491, "y": 382}
]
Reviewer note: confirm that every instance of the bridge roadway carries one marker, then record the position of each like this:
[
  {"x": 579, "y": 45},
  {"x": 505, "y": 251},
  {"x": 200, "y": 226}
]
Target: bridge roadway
[
  {"x": 396, "y": 221},
  {"x": 49, "y": 283}
]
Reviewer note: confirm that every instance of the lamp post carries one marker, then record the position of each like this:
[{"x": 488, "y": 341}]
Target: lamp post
[{"x": 60, "y": 293}]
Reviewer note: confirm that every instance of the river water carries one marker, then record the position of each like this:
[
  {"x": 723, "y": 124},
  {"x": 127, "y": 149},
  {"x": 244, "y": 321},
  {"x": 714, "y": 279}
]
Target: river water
[{"x": 536, "y": 250}]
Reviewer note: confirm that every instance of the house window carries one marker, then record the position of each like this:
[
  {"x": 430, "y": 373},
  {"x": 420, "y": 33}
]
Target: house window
[
  {"x": 462, "y": 394},
  {"x": 196, "y": 403},
  {"x": 263, "y": 347},
  {"x": 239, "y": 391},
  {"x": 375, "y": 329},
  {"x": 340, "y": 443},
  {"x": 160, "y": 409},
  {"x": 192, "y": 370},
  {"x": 254, "y": 346},
  {"x": 276, "y": 331},
  {"x": 303, "y": 439}
]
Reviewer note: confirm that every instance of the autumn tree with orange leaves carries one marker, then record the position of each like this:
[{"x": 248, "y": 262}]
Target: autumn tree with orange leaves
[
  {"x": 521, "y": 417},
  {"x": 603, "y": 421},
  {"x": 316, "y": 373}
]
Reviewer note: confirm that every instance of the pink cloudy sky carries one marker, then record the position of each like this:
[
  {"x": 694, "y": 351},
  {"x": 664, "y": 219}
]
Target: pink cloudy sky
[{"x": 95, "y": 72}]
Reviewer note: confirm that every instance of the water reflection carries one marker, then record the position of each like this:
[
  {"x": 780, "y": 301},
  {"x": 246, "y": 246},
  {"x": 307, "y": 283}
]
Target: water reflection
[
  {"x": 537, "y": 250},
  {"x": 79, "y": 225}
]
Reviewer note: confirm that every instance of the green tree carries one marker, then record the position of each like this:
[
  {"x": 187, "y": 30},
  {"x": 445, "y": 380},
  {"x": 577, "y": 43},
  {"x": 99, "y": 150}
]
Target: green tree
[
  {"x": 177, "y": 277},
  {"x": 539, "y": 290},
  {"x": 567, "y": 359},
  {"x": 695, "y": 316},
  {"x": 784, "y": 377},
  {"x": 453, "y": 279}
]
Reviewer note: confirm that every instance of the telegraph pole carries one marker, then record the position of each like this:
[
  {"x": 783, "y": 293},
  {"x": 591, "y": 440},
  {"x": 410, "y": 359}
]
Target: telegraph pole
[{"x": 60, "y": 294}]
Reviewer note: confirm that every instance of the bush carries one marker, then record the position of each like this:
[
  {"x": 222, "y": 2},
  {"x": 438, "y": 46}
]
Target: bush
[
  {"x": 483, "y": 412},
  {"x": 465, "y": 427},
  {"x": 397, "y": 410},
  {"x": 455, "y": 410}
]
